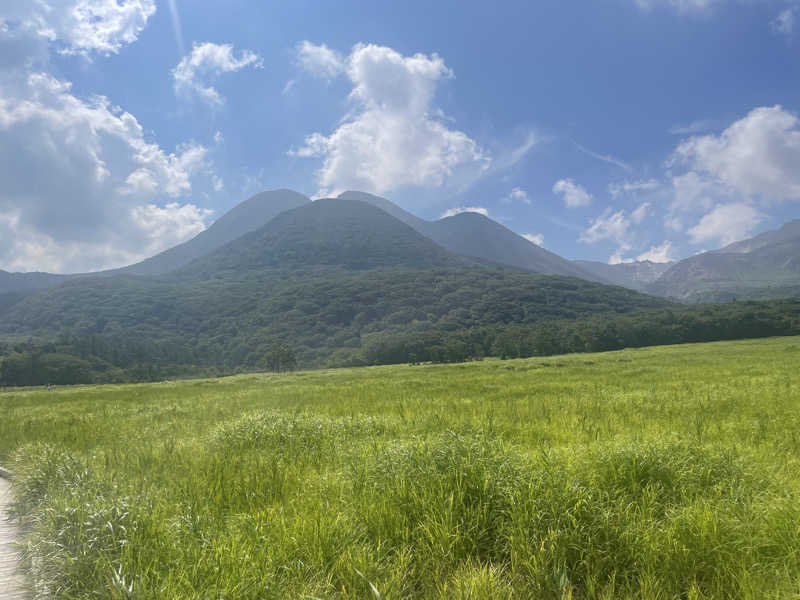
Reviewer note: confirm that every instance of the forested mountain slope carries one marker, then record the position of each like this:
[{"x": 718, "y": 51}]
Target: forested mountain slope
[
  {"x": 476, "y": 236},
  {"x": 323, "y": 278},
  {"x": 243, "y": 218},
  {"x": 240, "y": 220}
]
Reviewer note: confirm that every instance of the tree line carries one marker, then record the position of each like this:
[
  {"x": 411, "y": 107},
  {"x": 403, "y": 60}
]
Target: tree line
[{"x": 72, "y": 359}]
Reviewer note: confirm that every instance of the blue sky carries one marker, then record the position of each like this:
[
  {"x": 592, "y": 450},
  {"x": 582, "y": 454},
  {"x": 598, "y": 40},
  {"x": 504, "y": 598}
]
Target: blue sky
[{"x": 603, "y": 129}]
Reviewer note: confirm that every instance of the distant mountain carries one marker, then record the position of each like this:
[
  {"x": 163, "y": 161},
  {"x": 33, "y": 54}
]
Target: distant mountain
[
  {"x": 336, "y": 232},
  {"x": 763, "y": 267},
  {"x": 16, "y": 286},
  {"x": 636, "y": 275},
  {"x": 325, "y": 277},
  {"x": 786, "y": 238},
  {"x": 475, "y": 236},
  {"x": 243, "y": 218},
  {"x": 25, "y": 282}
]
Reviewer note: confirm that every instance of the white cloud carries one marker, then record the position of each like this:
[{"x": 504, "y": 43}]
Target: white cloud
[
  {"x": 208, "y": 61},
  {"x": 92, "y": 210},
  {"x": 640, "y": 213},
  {"x": 756, "y": 157},
  {"x": 730, "y": 177},
  {"x": 574, "y": 194},
  {"x": 319, "y": 60},
  {"x": 618, "y": 257},
  {"x": 169, "y": 225},
  {"x": 633, "y": 187},
  {"x": 614, "y": 226},
  {"x": 81, "y": 26},
  {"x": 391, "y": 137},
  {"x": 784, "y": 22},
  {"x": 518, "y": 195},
  {"x": 691, "y": 192},
  {"x": 608, "y": 226},
  {"x": 726, "y": 223},
  {"x": 534, "y": 238},
  {"x": 464, "y": 209},
  {"x": 680, "y": 5},
  {"x": 658, "y": 254}
]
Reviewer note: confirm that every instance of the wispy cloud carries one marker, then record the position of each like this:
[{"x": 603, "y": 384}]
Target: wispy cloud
[
  {"x": 176, "y": 26},
  {"x": 695, "y": 127},
  {"x": 612, "y": 160},
  {"x": 784, "y": 23}
]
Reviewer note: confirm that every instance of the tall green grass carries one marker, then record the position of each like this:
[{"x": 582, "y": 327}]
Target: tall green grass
[{"x": 654, "y": 473}]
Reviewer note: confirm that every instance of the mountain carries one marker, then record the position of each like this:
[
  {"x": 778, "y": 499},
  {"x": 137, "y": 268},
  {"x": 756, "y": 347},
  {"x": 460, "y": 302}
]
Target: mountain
[
  {"x": 634, "y": 275},
  {"x": 763, "y": 267},
  {"x": 243, "y": 218},
  {"x": 329, "y": 232},
  {"x": 325, "y": 278},
  {"x": 788, "y": 234},
  {"x": 16, "y": 286},
  {"x": 26, "y": 282},
  {"x": 473, "y": 235}
]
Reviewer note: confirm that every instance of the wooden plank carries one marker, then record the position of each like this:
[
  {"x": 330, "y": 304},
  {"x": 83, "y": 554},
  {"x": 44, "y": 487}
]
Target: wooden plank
[{"x": 11, "y": 581}]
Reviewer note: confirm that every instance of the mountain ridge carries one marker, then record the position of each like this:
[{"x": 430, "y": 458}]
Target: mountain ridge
[
  {"x": 637, "y": 275},
  {"x": 474, "y": 235},
  {"x": 327, "y": 232},
  {"x": 763, "y": 267},
  {"x": 323, "y": 277}
]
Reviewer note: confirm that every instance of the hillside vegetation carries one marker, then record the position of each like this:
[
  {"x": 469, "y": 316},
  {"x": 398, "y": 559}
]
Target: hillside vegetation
[
  {"x": 651, "y": 474},
  {"x": 478, "y": 237},
  {"x": 321, "y": 278},
  {"x": 339, "y": 282}
]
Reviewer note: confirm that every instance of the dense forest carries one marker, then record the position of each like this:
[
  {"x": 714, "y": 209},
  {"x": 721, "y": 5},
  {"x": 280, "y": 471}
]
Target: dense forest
[
  {"x": 229, "y": 323},
  {"x": 337, "y": 283},
  {"x": 98, "y": 358}
]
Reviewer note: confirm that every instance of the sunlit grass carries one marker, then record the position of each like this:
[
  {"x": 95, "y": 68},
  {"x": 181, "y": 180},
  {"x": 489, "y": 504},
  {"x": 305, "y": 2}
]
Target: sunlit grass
[{"x": 652, "y": 473}]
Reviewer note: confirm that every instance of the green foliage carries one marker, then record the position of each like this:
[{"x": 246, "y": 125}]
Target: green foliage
[
  {"x": 229, "y": 324},
  {"x": 325, "y": 331},
  {"x": 592, "y": 334},
  {"x": 655, "y": 473},
  {"x": 340, "y": 283},
  {"x": 280, "y": 358}
]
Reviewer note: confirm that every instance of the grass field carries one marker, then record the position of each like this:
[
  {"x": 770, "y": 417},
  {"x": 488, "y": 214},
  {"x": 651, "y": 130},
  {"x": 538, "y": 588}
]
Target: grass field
[{"x": 668, "y": 472}]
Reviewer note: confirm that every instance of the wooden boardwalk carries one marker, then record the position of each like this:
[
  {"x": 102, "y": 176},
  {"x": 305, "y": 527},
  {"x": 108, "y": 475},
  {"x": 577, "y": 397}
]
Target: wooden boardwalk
[{"x": 11, "y": 582}]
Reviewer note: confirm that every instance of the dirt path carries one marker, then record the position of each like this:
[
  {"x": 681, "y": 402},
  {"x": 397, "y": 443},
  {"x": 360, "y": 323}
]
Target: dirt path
[{"x": 10, "y": 580}]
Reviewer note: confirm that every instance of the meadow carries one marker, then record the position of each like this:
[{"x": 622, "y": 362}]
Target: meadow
[{"x": 656, "y": 473}]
